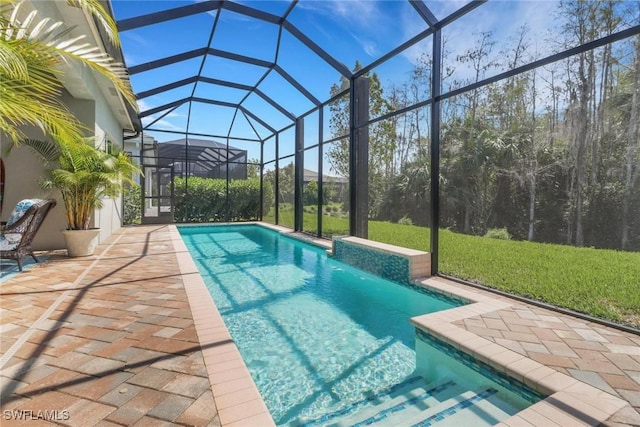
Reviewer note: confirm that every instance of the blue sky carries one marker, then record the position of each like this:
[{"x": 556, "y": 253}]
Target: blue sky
[{"x": 349, "y": 30}]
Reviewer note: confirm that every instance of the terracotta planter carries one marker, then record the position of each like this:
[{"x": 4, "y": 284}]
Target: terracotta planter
[{"x": 81, "y": 242}]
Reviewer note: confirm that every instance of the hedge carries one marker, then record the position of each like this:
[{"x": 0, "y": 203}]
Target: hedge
[{"x": 206, "y": 201}]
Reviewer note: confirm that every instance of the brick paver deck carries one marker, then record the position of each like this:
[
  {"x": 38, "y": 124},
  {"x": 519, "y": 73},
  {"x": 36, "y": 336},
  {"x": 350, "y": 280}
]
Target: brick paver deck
[
  {"x": 129, "y": 337},
  {"x": 109, "y": 338}
]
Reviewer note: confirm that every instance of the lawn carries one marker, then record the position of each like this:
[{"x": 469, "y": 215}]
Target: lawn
[{"x": 599, "y": 282}]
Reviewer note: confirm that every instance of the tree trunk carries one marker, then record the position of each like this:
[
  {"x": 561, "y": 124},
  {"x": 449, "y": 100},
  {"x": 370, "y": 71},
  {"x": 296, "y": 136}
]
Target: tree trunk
[
  {"x": 582, "y": 143},
  {"x": 467, "y": 217},
  {"x": 533, "y": 164},
  {"x": 532, "y": 207},
  {"x": 631, "y": 176}
]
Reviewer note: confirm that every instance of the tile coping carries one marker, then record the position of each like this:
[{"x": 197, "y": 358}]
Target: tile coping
[
  {"x": 562, "y": 390},
  {"x": 569, "y": 400},
  {"x": 384, "y": 247}
]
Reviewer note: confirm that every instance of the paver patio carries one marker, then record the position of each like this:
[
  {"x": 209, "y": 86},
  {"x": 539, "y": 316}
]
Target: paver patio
[{"x": 126, "y": 338}]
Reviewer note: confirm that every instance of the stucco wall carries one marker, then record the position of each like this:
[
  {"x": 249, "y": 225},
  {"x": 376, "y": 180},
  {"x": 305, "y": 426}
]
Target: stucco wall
[
  {"x": 24, "y": 172},
  {"x": 109, "y": 218},
  {"x": 89, "y": 98}
]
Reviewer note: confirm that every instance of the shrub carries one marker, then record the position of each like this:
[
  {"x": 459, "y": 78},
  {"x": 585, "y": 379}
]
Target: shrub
[
  {"x": 405, "y": 220},
  {"x": 498, "y": 233},
  {"x": 131, "y": 200},
  {"x": 244, "y": 199},
  {"x": 205, "y": 200},
  {"x": 268, "y": 197}
]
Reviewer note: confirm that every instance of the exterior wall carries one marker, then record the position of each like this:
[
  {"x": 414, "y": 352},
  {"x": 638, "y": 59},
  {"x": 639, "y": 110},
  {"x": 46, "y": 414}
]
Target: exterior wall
[
  {"x": 24, "y": 172},
  {"x": 108, "y": 115},
  {"x": 92, "y": 100},
  {"x": 109, "y": 218}
]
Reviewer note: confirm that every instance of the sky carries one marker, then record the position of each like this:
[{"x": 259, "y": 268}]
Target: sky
[{"x": 348, "y": 30}]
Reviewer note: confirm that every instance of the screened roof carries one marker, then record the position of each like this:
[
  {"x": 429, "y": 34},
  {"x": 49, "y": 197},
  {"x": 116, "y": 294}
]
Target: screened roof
[
  {"x": 247, "y": 69},
  {"x": 198, "y": 150}
]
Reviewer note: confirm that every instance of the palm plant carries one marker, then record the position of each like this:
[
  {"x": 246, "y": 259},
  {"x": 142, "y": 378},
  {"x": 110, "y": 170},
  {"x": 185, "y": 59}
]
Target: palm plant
[
  {"x": 31, "y": 52},
  {"x": 84, "y": 175}
]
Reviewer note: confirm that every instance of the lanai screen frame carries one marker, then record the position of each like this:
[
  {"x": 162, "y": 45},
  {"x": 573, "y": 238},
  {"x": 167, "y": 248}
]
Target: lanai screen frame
[{"x": 358, "y": 103}]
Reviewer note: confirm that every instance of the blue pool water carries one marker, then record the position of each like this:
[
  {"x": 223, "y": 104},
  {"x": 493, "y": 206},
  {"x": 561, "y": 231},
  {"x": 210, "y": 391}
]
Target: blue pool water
[{"x": 324, "y": 342}]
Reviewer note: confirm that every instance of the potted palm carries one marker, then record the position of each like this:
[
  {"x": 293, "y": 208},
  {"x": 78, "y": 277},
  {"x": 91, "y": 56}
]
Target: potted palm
[
  {"x": 35, "y": 51},
  {"x": 85, "y": 175}
]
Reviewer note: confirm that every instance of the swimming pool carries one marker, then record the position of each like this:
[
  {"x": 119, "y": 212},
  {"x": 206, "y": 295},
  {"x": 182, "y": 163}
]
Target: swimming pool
[{"x": 330, "y": 344}]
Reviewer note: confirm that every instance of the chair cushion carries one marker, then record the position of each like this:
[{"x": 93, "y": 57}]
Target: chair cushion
[
  {"x": 10, "y": 241},
  {"x": 20, "y": 210}
]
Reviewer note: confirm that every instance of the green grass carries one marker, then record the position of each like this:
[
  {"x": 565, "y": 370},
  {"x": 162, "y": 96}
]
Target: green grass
[{"x": 599, "y": 282}]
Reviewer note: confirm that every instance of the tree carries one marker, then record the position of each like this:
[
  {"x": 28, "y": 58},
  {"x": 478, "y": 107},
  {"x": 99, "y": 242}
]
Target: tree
[
  {"x": 631, "y": 166},
  {"x": 253, "y": 168},
  {"x": 583, "y": 23},
  {"x": 310, "y": 195},
  {"x": 32, "y": 49},
  {"x": 85, "y": 175},
  {"x": 408, "y": 194},
  {"x": 381, "y": 138},
  {"x": 479, "y": 57},
  {"x": 285, "y": 182}
]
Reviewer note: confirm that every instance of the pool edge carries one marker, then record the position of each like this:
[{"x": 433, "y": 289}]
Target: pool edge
[
  {"x": 236, "y": 396},
  {"x": 568, "y": 399}
]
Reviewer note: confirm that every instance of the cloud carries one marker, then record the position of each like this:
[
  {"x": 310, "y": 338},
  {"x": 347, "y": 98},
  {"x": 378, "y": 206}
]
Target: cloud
[
  {"x": 360, "y": 19},
  {"x": 412, "y": 24},
  {"x": 133, "y": 42},
  {"x": 369, "y": 46},
  {"x": 505, "y": 20},
  {"x": 165, "y": 123},
  {"x": 360, "y": 12},
  {"x": 162, "y": 124},
  {"x": 442, "y": 9}
]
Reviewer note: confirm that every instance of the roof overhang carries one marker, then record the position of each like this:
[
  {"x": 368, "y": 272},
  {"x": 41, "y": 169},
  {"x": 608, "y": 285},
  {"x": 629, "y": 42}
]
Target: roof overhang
[{"x": 75, "y": 76}]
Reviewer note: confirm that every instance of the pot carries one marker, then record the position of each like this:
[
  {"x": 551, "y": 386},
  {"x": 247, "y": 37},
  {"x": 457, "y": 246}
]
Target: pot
[{"x": 81, "y": 242}]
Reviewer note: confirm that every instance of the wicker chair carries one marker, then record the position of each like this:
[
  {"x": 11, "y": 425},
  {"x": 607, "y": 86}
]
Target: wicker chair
[{"x": 23, "y": 224}]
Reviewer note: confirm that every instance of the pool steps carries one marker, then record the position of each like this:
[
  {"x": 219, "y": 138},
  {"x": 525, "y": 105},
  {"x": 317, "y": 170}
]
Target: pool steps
[{"x": 415, "y": 403}]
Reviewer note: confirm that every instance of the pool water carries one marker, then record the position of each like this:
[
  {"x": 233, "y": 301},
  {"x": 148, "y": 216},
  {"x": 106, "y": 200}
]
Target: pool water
[{"x": 325, "y": 343}]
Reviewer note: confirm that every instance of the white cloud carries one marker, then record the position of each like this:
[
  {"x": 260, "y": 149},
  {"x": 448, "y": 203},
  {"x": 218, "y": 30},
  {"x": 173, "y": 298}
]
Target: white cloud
[
  {"x": 161, "y": 124},
  {"x": 360, "y": 19},
  {"x": 442, "y": 9},
  {"x": 133, "y": 42},
  {"x": 165, "y": 123},
  {"x": 413, "y": 24},
  {"x": 360, "y": 12},
  {"x": 504, "y": 20},
  {"x": 369, "y": 46},
  {"x": 143, "y": 105}
]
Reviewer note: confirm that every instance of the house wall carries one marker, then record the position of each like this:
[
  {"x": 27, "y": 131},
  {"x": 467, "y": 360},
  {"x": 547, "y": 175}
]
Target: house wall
[
  {"x": 109, "y": 218},
  {"x": 93, "y": 101},
  {"x": 24, "y": 172}
]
